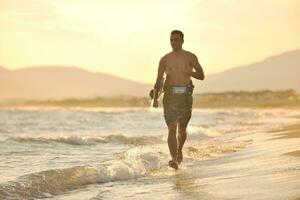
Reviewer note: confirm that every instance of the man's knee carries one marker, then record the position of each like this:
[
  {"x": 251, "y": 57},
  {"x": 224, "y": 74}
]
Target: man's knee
[
  {"x": 184, "y": 121},
  {"x": 182, "y": 131},
  {"x": 172, "y": 128}
]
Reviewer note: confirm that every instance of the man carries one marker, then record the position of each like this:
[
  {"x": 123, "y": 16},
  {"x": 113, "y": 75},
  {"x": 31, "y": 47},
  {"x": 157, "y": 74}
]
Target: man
[{"x": 179, "y": 66}]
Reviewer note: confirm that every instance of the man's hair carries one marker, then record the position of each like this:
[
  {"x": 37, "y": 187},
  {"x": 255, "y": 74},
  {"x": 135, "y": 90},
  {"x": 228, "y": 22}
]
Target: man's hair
[{"x": 178, "y": 32}]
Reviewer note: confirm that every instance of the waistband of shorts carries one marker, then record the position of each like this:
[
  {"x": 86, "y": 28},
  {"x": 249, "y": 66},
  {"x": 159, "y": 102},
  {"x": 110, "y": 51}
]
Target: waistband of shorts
[{"x": 168, "y": 89}]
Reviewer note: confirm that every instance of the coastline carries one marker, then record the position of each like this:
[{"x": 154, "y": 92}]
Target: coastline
[
  {"x": 289, "y": 132},
  {"x": 287, "y": 99}
]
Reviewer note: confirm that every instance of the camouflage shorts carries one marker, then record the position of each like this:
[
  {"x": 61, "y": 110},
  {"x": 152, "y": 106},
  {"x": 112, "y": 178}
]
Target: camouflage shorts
[{"x": 177, "y": 108}]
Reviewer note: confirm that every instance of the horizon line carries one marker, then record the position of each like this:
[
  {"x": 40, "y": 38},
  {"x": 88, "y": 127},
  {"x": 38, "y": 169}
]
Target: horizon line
[{"x": 118, "y": 76}]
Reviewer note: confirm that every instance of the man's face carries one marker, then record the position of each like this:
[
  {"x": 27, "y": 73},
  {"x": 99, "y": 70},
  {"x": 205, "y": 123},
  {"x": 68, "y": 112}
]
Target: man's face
[{"x": 176, "y": 41}]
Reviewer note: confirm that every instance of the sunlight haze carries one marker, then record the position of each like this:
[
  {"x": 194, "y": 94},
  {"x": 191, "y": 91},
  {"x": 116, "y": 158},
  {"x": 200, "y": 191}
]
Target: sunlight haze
[{"x": 127, "y": 38}]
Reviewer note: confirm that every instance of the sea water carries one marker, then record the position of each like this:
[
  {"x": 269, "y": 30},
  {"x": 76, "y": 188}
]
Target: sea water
[{"x": 122, "y": 153}]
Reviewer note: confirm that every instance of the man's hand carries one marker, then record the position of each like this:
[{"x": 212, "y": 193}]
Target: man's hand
[
  {"x": 198, "y": 74},
  {"x": 154, "y": 103},
  {"x": 153, "y": 96}
]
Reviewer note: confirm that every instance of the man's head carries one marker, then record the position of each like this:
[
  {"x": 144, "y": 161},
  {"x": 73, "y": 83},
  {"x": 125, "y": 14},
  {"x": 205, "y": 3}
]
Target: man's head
[{"x": 176, "y": 39}]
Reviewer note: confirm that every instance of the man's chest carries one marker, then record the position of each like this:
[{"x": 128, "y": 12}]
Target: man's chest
[{"x": 177, "y": 64}]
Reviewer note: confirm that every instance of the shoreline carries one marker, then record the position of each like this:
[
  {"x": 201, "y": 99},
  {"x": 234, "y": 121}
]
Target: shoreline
[
  {"x": 83, "y": 105},
  {"x": 294, "y": 153},
  {"x": 286, "y": 99},
  {"x": 289, "y": 132}
]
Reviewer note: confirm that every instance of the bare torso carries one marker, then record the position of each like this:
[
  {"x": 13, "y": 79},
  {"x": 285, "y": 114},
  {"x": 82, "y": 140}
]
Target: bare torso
[{"x": 176, "y": 63}]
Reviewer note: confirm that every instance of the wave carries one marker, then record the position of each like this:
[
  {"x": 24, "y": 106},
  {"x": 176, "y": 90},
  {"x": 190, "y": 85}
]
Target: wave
[
  {"x": 4, "y": 131},
  {"x": 84, "y": 140},
  {"x": 136, "y": 163},
  {"x": 142, "y": 140},
  {"x": 212, "y": 151},
  {"x": 194, "y": 133}
]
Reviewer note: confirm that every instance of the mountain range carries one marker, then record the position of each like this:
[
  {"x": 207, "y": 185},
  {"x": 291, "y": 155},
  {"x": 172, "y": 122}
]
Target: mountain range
[
  {"x": 279, "y": 72},
  {"x": 52, "y": 82}
]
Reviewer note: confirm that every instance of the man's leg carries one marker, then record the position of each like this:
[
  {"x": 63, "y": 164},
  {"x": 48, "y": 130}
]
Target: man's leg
[
  {"x": 182, "y": 125},
  {"x": 171, "y": 116},
  {"x": 172, "y": 141}
]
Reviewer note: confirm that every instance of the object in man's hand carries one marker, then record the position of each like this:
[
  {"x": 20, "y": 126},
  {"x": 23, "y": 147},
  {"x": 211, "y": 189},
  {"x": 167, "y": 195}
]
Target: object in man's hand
[
  {"x": 154, "y": 103},
  {"x": 151, "y": 93}
]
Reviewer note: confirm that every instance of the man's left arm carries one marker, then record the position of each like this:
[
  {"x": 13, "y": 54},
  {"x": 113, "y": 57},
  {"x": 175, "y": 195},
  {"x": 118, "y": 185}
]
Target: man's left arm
[{"x": 198, "y": 73}]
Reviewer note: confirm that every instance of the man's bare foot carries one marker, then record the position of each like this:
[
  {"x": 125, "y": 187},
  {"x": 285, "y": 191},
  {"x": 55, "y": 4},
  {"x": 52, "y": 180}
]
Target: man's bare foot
[
  {"x": 173, "y": 164},
  {"x": 179, "y": 156}
]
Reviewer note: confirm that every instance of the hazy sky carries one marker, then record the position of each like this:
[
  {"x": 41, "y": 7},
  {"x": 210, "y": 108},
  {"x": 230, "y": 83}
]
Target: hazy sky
[{"x": 127, "y": 38}]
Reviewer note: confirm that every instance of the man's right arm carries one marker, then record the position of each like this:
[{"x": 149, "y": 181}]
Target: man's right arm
[{"x": 158, "y": 83}]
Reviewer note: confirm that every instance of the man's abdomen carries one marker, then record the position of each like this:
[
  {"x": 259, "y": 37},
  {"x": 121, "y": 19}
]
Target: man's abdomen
[{"x": 173, "y": 79}]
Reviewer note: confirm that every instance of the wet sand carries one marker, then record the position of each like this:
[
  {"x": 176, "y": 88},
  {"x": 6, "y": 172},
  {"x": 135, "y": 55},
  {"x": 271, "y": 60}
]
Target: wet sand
[
  {"x": 294, "y": 153},
  {"x": 289, "y": 132}
]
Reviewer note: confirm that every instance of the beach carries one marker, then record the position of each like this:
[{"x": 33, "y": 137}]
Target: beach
[
  {"x": 121, "y": 153},
  {"x": 290, "y": 132}
]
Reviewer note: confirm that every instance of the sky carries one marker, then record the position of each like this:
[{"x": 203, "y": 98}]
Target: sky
[{"x": 128, "y": 38}]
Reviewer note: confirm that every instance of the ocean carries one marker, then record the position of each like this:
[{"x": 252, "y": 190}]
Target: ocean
[{"x": 121, "y": 153}]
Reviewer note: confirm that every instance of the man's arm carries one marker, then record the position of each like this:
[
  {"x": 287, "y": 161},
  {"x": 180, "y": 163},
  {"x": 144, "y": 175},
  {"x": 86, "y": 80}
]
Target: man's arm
[
  {"x": 158, "y": 83},
  {"x": 198, "y": 73}
]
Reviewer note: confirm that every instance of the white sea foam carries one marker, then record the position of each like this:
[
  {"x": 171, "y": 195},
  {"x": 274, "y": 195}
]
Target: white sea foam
[
  {"x": 134, "y": 163},
  {"x": 89, "y": 140},
  {"x": 200, "y": 131},
  {"x": 74, "y": 164}
]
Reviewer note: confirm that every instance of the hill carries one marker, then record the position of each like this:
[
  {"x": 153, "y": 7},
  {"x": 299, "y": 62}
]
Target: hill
[
  {"x": 280, "y": 72},
  {"x": 54, "y": 82}
]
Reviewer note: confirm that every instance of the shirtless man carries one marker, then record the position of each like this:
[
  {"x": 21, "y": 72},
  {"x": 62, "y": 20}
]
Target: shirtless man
[{"x": 179, "y": 66}]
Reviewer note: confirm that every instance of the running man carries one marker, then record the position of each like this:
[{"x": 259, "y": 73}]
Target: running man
[{"x": 179, "y": 66}]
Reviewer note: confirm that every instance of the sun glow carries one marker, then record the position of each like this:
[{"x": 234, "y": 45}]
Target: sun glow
[{"x": 127, "y": 38}]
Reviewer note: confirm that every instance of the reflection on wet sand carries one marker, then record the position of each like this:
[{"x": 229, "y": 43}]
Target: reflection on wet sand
[
  {"x": 190, "y": 186},
  {"x": 290, "y": 132}
]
